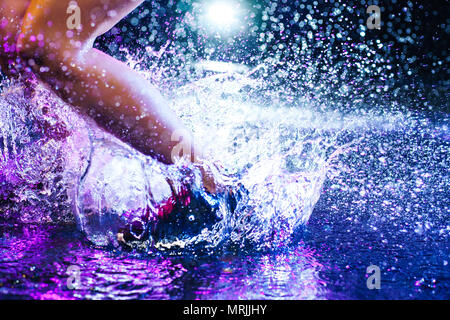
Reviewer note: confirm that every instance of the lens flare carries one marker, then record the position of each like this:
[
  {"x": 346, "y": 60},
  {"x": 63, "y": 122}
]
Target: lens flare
[{"x": 222, "y": 15}]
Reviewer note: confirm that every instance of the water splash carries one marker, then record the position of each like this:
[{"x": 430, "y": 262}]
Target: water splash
[
  {"x": 44, "y": 152},
  {"x": 100, "y": 178},
  {"x": 305, "y": 107},
  {"x": 281, "y": 122}
]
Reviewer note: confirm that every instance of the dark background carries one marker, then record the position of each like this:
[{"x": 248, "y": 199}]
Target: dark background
[
  {"x": 409, "y": 53},
  {"x": 411, "y": 49}
]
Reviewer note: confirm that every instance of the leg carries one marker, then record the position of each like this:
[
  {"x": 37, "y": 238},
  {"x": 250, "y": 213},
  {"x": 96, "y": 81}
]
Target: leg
[{"x": 115, "y": 96}]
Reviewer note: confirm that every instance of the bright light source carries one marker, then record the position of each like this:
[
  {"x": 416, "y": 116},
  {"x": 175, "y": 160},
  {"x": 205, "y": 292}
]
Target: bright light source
[
  {"x": 222, "y": 13},
  {"x": 221, "y": 18}
]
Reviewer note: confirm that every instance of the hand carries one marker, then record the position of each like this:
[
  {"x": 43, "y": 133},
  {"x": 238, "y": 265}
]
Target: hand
[
  {"x": 209, "y": 182},
  {"x": 213, "y": 177}
]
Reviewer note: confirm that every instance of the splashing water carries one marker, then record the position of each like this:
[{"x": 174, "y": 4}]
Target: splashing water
[
  {"x": 302, "y": 130},
  {"x": 96, "y": 175},
  {"x": 56, "y": 163},
  {"x": 44, "y": 151}
]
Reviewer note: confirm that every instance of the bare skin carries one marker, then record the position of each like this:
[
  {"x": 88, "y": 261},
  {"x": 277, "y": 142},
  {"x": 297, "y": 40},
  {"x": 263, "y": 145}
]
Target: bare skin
[{"x": 115, "y": 96}]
